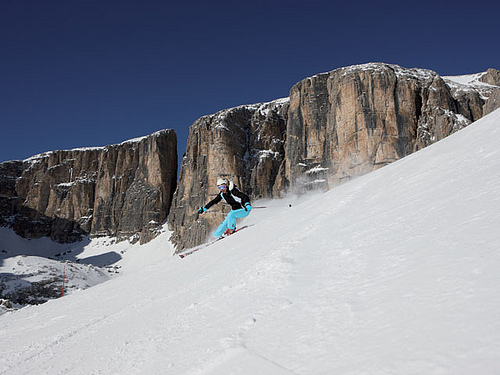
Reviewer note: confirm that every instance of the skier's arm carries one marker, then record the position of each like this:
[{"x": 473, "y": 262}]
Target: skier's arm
[{"x": 216, "y": 200}]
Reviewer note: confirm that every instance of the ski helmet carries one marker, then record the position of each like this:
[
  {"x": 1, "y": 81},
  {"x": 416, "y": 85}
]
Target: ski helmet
[{"x": 221, "y": 181}]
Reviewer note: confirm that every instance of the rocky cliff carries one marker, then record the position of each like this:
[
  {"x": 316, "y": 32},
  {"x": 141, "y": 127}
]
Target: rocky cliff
[
  {"x": 353, "y": 120},
  {"x": 336, "y": 126},
  {"x": 244, "y": 144},
  {"x": 120, "y": 190}
]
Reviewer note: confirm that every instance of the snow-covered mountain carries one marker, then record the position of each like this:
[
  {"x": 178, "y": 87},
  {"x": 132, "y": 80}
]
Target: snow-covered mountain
[{"x": 395, "y": 272}]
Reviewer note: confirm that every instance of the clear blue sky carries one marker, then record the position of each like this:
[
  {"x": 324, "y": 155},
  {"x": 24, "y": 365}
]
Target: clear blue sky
[{"x": 77, "y": 73}]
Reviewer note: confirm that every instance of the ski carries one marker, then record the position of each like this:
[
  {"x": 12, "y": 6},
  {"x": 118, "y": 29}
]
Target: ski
[{"x": 189, "y": 252}]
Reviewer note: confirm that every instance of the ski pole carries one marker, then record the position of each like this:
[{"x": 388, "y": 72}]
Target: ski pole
[{"x": 277, "y": 205}]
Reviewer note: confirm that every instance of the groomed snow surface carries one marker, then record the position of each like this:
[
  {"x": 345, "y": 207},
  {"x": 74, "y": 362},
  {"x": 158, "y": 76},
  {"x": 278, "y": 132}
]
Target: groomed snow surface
[{"x": 396, "y": 272}]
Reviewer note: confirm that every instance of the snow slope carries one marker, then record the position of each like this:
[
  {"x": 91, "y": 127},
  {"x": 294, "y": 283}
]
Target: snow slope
[
  {"x": 468, "y": 80},
  {"x": 32, "y": 270},
  {"x": 396, "y": 272}
]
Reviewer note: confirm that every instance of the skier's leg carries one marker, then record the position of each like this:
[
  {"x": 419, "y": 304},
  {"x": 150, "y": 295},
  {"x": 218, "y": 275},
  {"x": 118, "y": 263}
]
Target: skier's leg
[
  {"x": 235, "y": 214},
  {"x": 221, "y": 229},
  {"x": 230, "y": 221}
]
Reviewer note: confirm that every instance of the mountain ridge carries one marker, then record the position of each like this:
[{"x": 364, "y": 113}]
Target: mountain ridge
[{"x": 333, "y": 127}]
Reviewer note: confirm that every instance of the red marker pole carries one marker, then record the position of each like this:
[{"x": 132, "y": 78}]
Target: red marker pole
[{"x": 64, "y": 277}]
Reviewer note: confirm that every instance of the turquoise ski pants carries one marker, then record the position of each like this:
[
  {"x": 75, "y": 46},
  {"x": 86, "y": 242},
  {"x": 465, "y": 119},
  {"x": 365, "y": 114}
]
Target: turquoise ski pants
[{"x": 230, "y": 221}]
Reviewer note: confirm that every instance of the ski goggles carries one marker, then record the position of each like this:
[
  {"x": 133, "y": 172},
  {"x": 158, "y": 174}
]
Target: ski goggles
[{"x": 221, "y": 187}]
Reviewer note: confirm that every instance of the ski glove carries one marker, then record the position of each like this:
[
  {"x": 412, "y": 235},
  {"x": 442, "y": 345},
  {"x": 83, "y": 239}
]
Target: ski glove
[
  {"x": 248, "y": 207},
  {"x": 201, "y": 210}
]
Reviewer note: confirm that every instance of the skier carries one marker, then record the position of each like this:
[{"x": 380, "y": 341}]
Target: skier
[{"x": 239, "y": 202}]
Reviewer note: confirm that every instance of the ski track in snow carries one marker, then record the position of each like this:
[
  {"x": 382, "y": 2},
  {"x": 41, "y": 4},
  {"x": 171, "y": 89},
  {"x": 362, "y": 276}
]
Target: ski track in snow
[{"x": 395, "y": 272}]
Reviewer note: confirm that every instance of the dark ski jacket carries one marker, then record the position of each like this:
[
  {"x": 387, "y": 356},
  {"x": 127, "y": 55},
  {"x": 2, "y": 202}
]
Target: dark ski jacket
[{"x": 234, "y": 197}]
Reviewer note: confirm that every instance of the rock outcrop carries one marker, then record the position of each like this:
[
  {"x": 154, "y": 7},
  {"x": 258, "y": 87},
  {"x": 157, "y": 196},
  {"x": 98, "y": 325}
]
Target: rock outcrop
[
  {"x": 354, "y": 120},
  {"x": 484, "y": 87},
  {"x": 491, "y": 77},
  {"x": 120, "y": 190},
  {"x": 244, "y": 144}
]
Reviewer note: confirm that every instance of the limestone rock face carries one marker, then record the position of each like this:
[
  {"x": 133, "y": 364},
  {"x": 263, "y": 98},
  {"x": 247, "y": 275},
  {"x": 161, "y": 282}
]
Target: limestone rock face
[
  {"x": 119, "y": 190},
  {"x": 476, "y": 94},
  {"x": 244, "y": 144},
  {"x": 353, "y": 120},
  {"x": 492, "y": 103},
  {"x": 333, "y": 127},
  {"x": 491, "y": 77}
]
